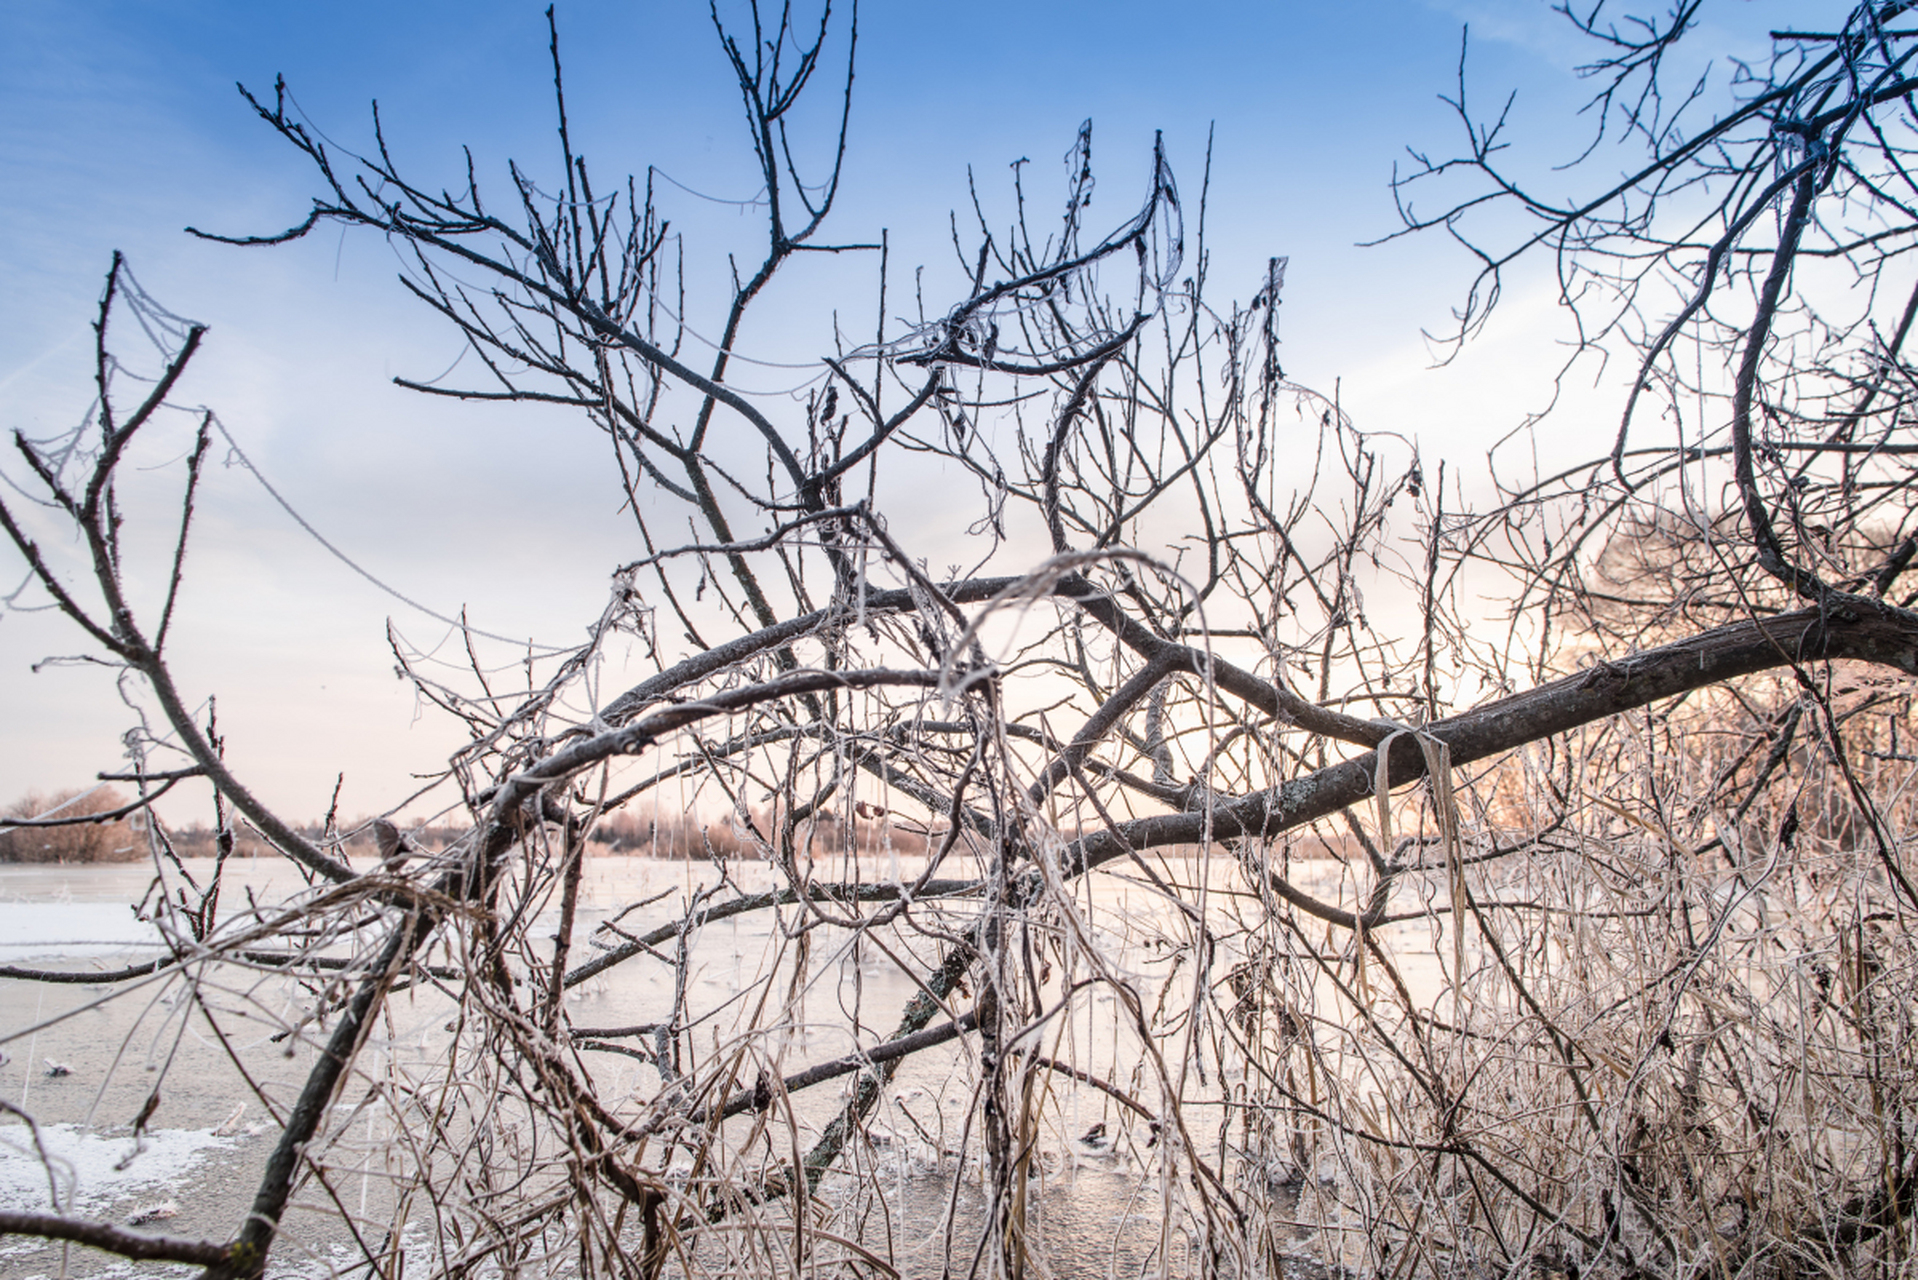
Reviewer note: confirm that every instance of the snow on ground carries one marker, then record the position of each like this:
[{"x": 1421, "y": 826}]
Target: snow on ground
[
  {"x": 94, "y": 1171},
  {"x": 57, "y": 930}
]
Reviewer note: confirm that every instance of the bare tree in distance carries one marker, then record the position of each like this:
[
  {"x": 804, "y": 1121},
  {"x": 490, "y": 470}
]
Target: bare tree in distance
[{"x": 1621, "y": 944}]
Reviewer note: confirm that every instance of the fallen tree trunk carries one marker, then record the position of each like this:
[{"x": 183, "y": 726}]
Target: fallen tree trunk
[{"x": 1852, "y": 628}]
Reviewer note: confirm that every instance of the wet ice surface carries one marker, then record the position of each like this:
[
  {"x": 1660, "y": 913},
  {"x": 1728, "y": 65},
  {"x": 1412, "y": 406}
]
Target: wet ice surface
[{"x": 121, "y": 1041}]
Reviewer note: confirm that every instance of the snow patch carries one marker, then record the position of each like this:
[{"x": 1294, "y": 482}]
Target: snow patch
[
  {"x": 50, "y": 930},
  {"x": 92, "y": 1170}
]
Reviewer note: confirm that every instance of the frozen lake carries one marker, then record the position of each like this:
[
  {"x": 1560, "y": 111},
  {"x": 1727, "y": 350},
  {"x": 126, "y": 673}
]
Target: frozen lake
[{"x": 210, "y": 1133}]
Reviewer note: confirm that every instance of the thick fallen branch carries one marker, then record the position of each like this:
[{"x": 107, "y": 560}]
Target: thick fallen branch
[
  {"x": 1854, "y": 628},
  {"x": 112, "y": 1239}
]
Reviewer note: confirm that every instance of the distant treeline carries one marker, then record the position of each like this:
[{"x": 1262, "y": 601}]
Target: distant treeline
[
  {"x": 688, "y": 836},
  {"x": 684, "y": 836},
  {"x": 678, "y": 835},
  {"x": 681, "y": 836}
]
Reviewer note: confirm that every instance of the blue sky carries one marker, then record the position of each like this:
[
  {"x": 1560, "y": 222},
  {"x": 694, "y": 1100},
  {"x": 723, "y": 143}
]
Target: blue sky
[{"x": 119, "y": 125}]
